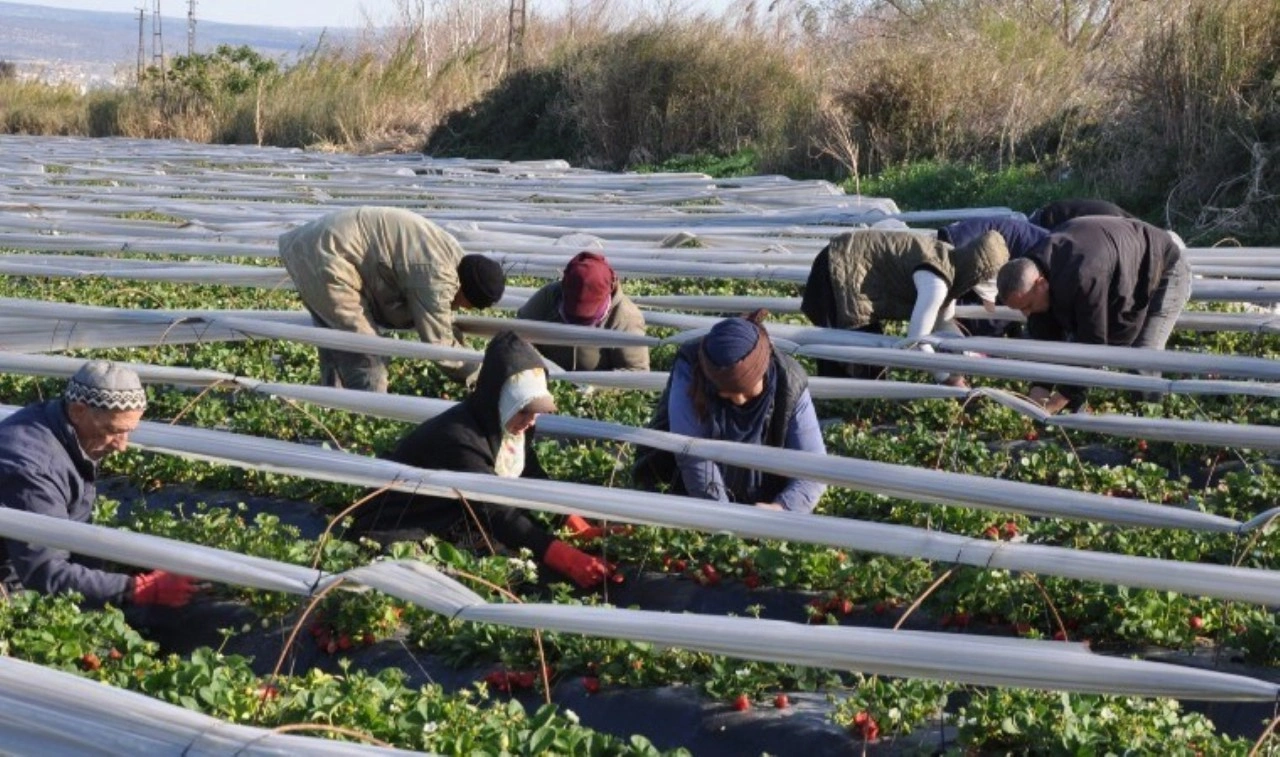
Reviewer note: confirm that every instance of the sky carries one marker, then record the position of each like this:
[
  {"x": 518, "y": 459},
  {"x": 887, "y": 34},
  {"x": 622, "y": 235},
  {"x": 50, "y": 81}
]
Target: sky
[{"x": 333, "y": 13}]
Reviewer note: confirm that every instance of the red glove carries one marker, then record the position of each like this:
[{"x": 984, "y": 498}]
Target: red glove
[
  {"x": 580, "y": 529},
  {"x": 160, "y": 587},
  {"x": 585, "y": 570}
]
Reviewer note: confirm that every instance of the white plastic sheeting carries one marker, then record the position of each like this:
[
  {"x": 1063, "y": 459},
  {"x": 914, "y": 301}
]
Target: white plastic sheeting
[
  {"x": 939, "y": 487},
  {"x": 1249, "y": 585},
  {"x": 45, "y": 711},
  {"x": 964, "y": 659},
  {"x": 833, "y": 344}
]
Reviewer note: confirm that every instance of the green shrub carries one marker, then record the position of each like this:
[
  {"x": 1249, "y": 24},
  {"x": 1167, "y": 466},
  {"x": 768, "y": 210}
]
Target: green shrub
[{"x": 642, "y": 96}]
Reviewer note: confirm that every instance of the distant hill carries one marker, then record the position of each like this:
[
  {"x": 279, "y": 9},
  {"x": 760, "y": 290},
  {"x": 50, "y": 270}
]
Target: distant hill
[{"x": 97, "y": 47}]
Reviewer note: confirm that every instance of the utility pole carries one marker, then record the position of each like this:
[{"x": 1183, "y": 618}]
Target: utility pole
[
  {"x": 191, "y": 28},
  {"x": 157, "y": 40},
  {"x": 142, "y": 47},
  {"x": 517, "y": 14}
]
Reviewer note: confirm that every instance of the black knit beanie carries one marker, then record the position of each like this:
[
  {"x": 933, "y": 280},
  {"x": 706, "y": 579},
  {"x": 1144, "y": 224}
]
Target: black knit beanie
[{"x": 483, "y": 280}]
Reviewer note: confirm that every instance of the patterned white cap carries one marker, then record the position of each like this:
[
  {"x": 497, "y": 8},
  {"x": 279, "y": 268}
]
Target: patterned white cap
[{"x": 106, "y": 386}]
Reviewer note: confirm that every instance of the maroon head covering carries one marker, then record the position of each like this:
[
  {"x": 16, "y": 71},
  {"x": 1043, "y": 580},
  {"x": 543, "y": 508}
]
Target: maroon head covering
[{"x": 587, "y": 287}]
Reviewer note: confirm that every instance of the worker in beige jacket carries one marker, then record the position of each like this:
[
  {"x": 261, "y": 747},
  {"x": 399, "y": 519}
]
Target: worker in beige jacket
[
  {"x": 588, "y": 295},
  {"x": 370, "y": 268}
]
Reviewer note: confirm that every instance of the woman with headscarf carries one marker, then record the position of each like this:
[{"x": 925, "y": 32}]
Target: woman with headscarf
[
  {"x": 491, "y": 431},
  {"x": 731, "y": 385}
]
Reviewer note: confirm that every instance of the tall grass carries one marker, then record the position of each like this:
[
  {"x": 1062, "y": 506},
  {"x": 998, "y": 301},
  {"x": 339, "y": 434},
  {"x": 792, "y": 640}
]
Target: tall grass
[{"x": 1197, "y": 128}]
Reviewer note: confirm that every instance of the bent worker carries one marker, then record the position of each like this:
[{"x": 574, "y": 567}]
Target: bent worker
[
  {"x": 491, "y": 431},
  {"x": 732, "y": 385},
  {"x": 49, "y": 456},
  {"x": 1019, "y": 235},
  {"x": 370, "y": 268},
  {"x": 589, "y": 294},
  {"x": 1098, "y": 280},
  {"x": 1058, "y": 212},
  {"x": 864, "y": 278}
]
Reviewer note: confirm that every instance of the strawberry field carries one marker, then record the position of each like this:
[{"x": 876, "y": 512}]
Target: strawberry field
[{"x": 977, "y": 578}]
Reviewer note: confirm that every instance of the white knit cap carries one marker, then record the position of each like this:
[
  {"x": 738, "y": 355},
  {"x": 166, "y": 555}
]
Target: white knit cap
[
  {"x": 106, "y": 386},
  {"x": 525, "y": 389}
]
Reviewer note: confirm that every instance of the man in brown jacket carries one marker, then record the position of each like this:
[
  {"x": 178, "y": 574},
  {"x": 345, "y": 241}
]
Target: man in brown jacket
[
  {"x": 370, "y": 268},
  {"x": 588, "y": 295},
  {"x": 864, "y": 278}
]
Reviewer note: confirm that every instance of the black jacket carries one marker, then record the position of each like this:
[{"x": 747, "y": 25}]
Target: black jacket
[
  {"x": 1102, "y": 275},
  {"x": 44, "y": 471},
  {"x": 1056, "y": 213},
  {"x": 464, "y": 438}
]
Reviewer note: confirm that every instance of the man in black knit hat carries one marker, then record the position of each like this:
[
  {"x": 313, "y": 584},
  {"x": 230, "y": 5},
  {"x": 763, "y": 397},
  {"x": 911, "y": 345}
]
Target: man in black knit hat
[{"x": 370, "y": 268}]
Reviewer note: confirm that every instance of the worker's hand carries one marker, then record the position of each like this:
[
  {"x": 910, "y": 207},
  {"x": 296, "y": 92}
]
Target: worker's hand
[
  {"x": 585, "y": 570},
  {"x": 160, "y": 587},
  {"x": 581, "y": 529}
]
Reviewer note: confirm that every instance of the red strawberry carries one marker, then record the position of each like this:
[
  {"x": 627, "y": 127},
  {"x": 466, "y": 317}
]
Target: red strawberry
[
  {"x": 90, "y": 661},
  {"x": 1196, "y": 622},
  {"x": 114, "y": 654},
  {"x": 1142, "y": 445},
  {"x": 1032, "y": 436},
  {"x": 867, "y": 725},
  {"x": 752, "y": 581},
  {"x": 523, "y": 679},
  {"x": 710, "y": 576},
  {"x": 781, "y": 701},
  {"x": 846, "y": 606},
  {"x": 991, "y": 532},
  {"x": 879, "y": 608},
  {"x": 1022, "y": 628},
  {"x": 268, "y": 691},
  {"x": 369, "y": 639},
  {"x": 344, "y": 642},
  {"x": 679, "y": 566},
  {"x": 742, "y": 703},
  {"x": 1009, "y": 529},
  {"x": 591, "y": 684},
  {"x": 1059, "y": 635}
]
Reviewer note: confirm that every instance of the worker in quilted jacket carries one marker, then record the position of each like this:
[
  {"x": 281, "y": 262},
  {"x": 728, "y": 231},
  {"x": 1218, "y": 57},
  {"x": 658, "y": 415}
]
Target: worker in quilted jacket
[{"x": 864, "y": 278}]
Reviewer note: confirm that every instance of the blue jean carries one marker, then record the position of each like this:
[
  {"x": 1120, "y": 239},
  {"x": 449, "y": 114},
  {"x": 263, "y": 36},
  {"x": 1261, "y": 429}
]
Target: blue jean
[{"x": 1167, "y": 302}]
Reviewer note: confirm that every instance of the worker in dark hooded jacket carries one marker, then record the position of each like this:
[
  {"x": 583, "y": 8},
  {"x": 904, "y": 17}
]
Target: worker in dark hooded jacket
[
  {"x": 491, "y": 431},
  {"x": 1058, "y": 212},
  {"x": 1098, "y": 280},
  {"x": 732, "y": 385},
  {"x": 863, "y": 278},
  {"x": 589, "y": 294}
]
